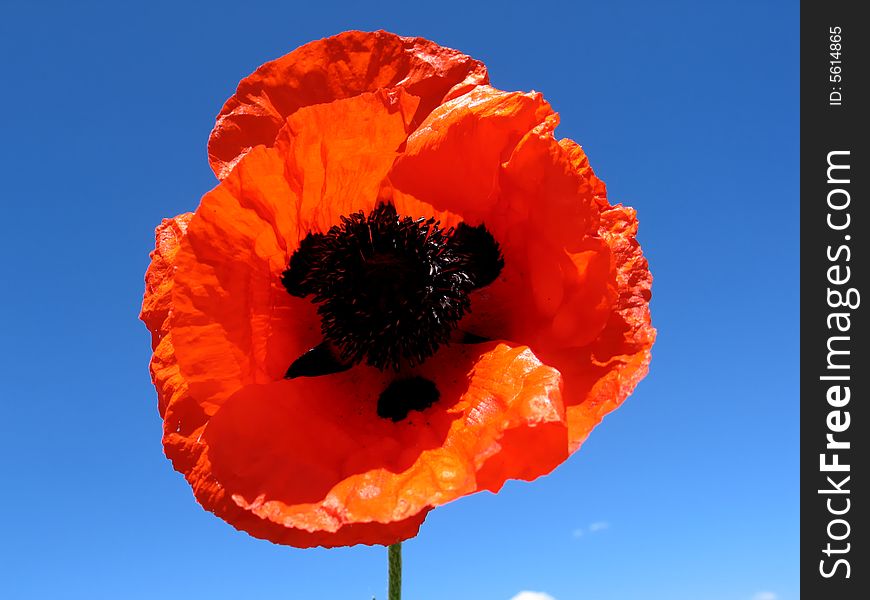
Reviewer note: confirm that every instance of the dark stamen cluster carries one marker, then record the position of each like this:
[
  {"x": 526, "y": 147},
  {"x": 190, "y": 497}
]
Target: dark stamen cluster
[
  {"x": 404, "y": 395},
  {"x": 390, "y": 288}
]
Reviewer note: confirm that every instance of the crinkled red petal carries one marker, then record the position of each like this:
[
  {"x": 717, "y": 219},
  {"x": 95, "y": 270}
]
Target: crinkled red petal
[
  {"x": 342, "y": 66},
  {"x": 575, "y": 285}
]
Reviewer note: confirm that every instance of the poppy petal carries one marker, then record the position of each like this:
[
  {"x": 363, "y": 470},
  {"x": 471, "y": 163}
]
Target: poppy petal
[
  {"x": 157, "y": 304},
  {"x": 578, "y": 159},
  {"x": 337, "y": 67},
  {"x": 558, "y": 285},
  {"x": 339, "y": 153},
  {"x": 500, "y": 416},
  {"x": 452, "y": 160},
  {"x": 542, "y": 187},
  {"x": 190, "y": 456},
  {"x": 600, "y": 376},
  {"x": 158, "y": 277}
]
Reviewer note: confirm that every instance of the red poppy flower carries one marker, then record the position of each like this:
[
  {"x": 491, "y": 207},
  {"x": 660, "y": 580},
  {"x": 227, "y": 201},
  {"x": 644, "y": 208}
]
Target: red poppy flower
[{"x": 403, "y": 290}]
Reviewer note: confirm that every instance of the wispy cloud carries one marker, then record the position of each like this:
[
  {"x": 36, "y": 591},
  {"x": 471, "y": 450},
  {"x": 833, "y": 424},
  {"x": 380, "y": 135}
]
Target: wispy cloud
[
  {"x": 765, "y": 596},
  {"x": 526, "y": 595},
  {"x": 599, "y": 526},
  {"x": 591, "y": 528}
]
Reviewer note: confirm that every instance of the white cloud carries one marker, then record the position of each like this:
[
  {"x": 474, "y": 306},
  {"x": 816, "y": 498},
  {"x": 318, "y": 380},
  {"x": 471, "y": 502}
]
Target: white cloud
[
  {"x": 592, "y": 528},
  {"x": 599, "y": 526},
  {"x": 532, "y": 596},
  {"x": 765, "y": 596}
]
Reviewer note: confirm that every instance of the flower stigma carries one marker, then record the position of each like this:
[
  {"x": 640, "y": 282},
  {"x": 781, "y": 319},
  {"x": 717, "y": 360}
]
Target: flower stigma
[{"x": 389, "y": 290}]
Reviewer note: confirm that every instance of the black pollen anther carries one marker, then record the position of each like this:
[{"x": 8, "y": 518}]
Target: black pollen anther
[
  {"x": 405, "y": 395},
  {"x": 478, "y": 253},
  {"x": 473, "y": 338},
  {"x": 302, "y": 270},
  {"x": 390, "y": 289},
  {"x": 320, "y": 360}
]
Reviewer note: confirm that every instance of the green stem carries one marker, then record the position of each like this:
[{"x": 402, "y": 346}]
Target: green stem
[{"x": 395, "y": 559}]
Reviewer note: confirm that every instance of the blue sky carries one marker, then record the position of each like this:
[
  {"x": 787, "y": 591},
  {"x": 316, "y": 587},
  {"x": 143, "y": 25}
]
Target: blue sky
[{"x": 689, "y": 112}]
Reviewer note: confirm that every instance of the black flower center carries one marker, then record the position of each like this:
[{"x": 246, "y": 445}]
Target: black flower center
[{"x": 390, "y": 289}]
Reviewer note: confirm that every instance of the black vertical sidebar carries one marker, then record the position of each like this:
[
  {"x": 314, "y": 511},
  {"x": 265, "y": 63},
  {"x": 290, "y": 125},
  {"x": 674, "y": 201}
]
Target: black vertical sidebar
[{"x": 835, "y": 368}]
